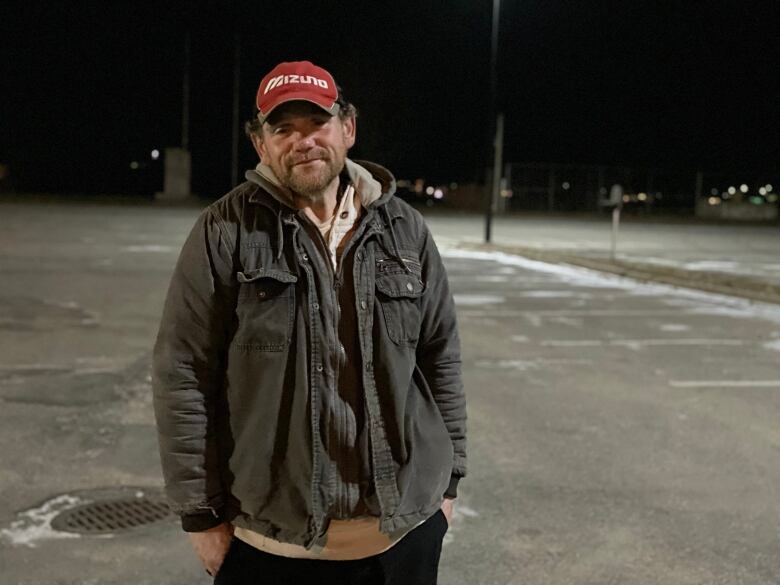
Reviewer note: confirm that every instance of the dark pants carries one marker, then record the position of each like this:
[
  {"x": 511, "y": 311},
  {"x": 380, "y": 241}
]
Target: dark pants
[{"x": 412, "y": 561}]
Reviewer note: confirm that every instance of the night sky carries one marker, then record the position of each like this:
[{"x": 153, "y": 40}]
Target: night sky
[{"x": 89, "y": 87}]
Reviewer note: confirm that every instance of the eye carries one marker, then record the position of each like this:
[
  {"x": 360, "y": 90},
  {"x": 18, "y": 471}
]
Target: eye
[{"x": 280, "y": 130}]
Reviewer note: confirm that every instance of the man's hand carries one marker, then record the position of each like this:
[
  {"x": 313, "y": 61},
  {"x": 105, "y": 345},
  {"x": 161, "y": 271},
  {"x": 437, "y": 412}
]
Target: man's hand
[
  {"x": 447, "y": 506},
  {"x": 212, "y": 545}
]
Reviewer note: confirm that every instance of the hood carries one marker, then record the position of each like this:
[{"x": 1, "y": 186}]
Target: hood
[{"x": 374, "y": 184}]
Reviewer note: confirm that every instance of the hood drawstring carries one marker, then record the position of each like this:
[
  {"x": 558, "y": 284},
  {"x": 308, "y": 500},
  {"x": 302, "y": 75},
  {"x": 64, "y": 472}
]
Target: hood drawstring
[
  {"x": 279, "y": 235},
  {"x": 396, "y": 249}
]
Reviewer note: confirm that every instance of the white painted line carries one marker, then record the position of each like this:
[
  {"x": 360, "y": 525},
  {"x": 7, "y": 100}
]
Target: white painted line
[
  {"x": 524, "y": 365},
  {"x": 149, "y": 248},
  {"x": 477, "y": 299},
  {"x": 724, "y": 383},
  {"x": 554, "y": 294},
  {"x": 663, "y": 342},
  {"x": 572, "y": 343},
  {"x": 637, "y": 344}
]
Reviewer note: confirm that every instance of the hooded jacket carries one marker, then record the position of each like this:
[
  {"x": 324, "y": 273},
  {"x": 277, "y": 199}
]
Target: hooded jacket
[{"x": 250, "y": 356}]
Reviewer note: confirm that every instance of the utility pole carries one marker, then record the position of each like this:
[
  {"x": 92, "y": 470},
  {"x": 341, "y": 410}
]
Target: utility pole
[
  {"x": 498, "y": 134},
  {"x": 185, "y": 96}
]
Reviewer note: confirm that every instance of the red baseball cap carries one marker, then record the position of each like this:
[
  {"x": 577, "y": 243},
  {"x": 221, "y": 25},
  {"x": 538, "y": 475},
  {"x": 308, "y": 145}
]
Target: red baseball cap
[{"x": 296, "y": 80}]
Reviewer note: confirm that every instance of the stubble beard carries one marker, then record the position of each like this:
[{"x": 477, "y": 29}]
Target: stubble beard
[{"x": 312, "y": 186}]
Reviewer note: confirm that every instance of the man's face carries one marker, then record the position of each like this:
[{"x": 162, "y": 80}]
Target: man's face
[{"x": 306, "y": 147}]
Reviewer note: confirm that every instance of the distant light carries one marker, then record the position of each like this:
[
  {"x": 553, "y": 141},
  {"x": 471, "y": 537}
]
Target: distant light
[
  {"x": 772, "y": 198},
  {"x": 438, "y": 194},
  {"x": 713, "y": 201},
  {"x": 134, "y": 165},
  {"x": 713, "y": 191},
  {"x": 155, "y": 154},
  {"x": 762, "y": 190},
  {"x": 403, "y": 183},
  {"x": 732, "y": 190},
  {"x": 743, "y": 188},
  {"x": 453, "y": 186},
  {"x": 418, "y": 185},
  {"x": 429, "y": 190},
  {"x": 642, "y": 196},
  {"x": 769, "y": 188},
  {"x": 756, "y": 200},
  {"x": 725, "y": 195},
  {"x": 566, "y": 185},
  {"x": 626, "y": 198}
]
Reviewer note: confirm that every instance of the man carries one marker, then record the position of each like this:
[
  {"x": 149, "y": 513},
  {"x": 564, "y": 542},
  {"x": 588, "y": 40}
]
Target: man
[{"x": 307, "y": 380}]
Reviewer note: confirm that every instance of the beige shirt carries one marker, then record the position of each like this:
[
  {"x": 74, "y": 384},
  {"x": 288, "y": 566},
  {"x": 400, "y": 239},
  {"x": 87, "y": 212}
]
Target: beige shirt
[
  {"x": 347, "y": 540},
  {"x": 356, "y": 538},
  {"x": 337, "y": 230}
]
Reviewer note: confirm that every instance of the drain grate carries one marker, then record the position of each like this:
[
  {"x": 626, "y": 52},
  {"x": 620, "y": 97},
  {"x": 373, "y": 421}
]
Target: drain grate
[{"x": 109, "y": 516}]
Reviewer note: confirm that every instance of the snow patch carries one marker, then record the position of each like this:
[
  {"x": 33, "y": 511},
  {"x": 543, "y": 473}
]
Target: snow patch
[
  {"x": 35, "y": 524},
  {"x": 674, "y": 327},
  {"x": 570, "y": 274},
  {"x": 774, "y": 344},
  {"x": 721, "y": 265}
]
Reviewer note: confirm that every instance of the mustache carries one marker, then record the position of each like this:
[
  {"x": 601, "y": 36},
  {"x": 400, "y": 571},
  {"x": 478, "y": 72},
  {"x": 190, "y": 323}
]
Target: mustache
[{"x": 313, "y": 154}]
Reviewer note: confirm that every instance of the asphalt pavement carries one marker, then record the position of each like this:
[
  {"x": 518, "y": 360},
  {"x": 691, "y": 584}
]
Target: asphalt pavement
[{"x": 620, "y": 431}]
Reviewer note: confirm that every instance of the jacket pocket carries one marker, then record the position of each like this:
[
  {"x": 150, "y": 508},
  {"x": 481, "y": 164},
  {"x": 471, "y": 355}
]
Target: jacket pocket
[
  {"x": 399, "y": 294},
  {"x": 265, "y": 309}
]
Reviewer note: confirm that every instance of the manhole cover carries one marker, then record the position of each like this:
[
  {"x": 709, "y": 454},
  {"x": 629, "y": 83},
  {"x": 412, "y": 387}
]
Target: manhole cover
[{"x": 112, "y": 515}]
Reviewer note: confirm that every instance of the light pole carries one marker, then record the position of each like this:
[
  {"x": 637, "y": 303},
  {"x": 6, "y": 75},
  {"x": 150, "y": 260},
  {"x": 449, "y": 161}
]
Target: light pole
[
  {"x": 236, "y": 90},
  {"x": 498, "y": 127}
]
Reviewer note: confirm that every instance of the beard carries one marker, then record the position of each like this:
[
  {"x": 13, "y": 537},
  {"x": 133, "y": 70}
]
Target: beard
[{"x": 311, "y": 183}]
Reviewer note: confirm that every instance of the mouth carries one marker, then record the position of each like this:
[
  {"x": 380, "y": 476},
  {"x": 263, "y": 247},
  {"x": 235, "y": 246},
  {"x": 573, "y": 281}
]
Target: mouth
[
  {"x": 309, "y": 157},
  {"x": 307, "y": 162}
]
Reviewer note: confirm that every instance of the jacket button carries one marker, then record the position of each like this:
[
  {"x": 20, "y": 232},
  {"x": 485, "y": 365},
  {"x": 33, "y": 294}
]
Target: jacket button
[
  {"x": 316, "y": 306},
  {"x": 363, "y": 305},
  {"x": 305, "y": 257},
  {"x": 261, "y": 294},
  {"x": 409, "y": 286},
  {"x": 319, "y": 368}
]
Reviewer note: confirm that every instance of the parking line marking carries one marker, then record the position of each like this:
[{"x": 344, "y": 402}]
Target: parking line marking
[{"x": 724, "y": 383}]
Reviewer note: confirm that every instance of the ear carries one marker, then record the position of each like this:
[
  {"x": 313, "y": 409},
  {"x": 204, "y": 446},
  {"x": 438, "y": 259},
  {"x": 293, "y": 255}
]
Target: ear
[
  {"x": 259, "y": 145},
  {"x": 349, "y": 127}
]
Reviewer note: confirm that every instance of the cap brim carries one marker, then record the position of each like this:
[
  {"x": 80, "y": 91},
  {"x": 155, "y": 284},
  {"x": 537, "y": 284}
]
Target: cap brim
[{"x": 298, "y": 97}]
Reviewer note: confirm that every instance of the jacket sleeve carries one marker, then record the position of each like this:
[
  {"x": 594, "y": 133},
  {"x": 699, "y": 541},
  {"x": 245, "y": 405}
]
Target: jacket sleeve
[
  {"x": 438, "y": 354},
  {"x": 188, "y": 370}
]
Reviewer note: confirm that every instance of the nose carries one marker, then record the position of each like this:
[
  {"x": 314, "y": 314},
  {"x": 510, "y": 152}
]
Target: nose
[{"x": 305, "y": 142}]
